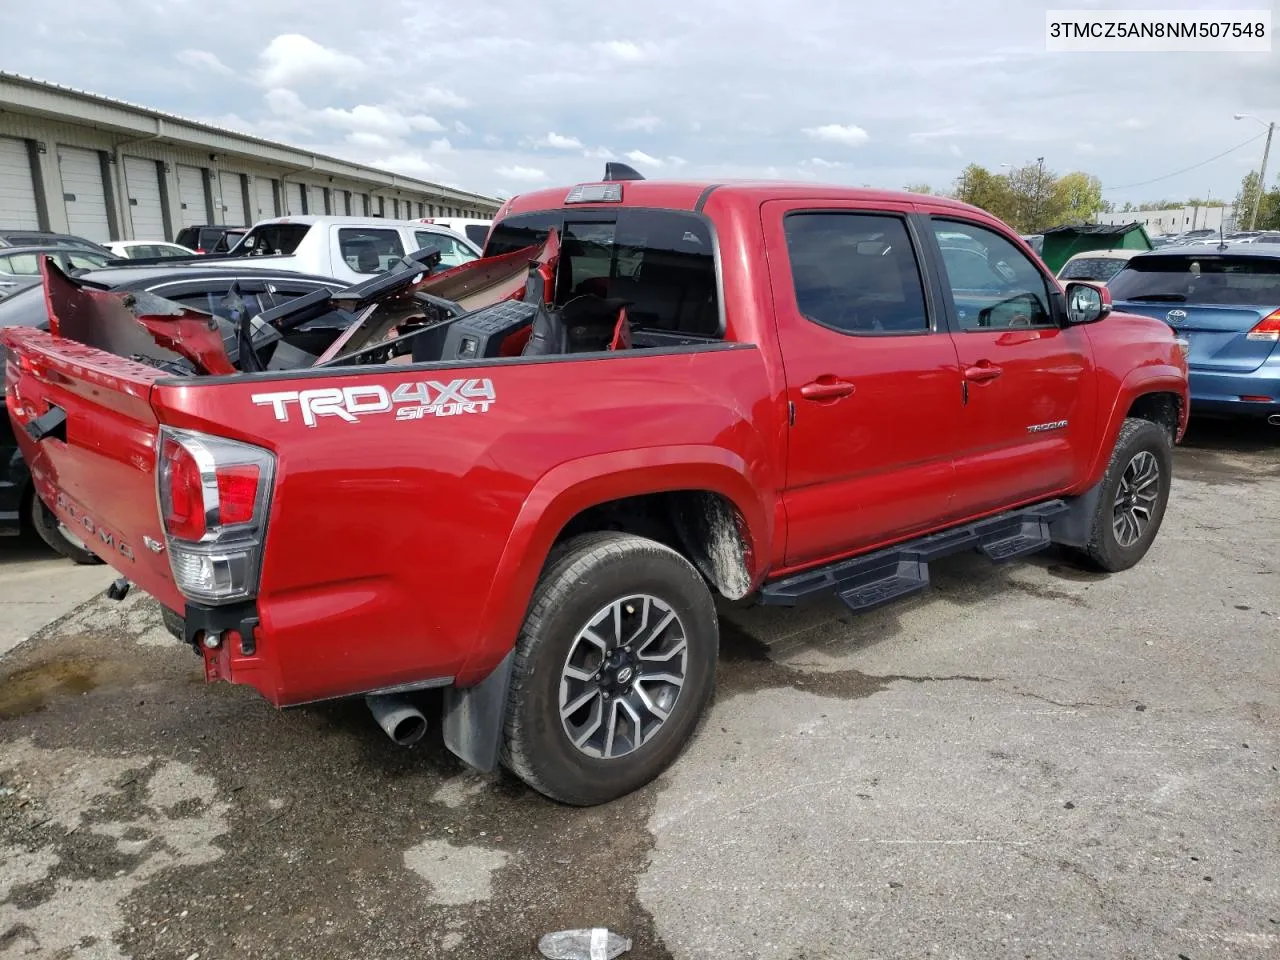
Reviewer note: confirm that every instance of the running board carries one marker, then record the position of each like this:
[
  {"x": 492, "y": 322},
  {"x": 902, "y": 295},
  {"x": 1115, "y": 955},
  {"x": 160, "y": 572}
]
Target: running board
[{"x": 877, "y": 578}]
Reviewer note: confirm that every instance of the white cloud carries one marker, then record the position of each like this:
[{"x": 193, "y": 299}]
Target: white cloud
[
  {"x": 648, "y": 123},
  {"x": 626, "y": 51},
  {"x": 412, "y": 165},
  {"x": 461, "y": 128},
  {"x": 384, "y": 120},
  {"x": 291, "y": 59},
  {"x": 823, "y": 164},
  {"x": 437, "y": 97},
  {"x": 677, "y": 161},
  {"x": 847, "y": 134},
  {"x": 492, "y": 140},
  {"x": 1133, "y": 123},
  {"x": 954, "y": 150},
  {"x": 517, "y": 172},
  {"x": 558, "y": 142},
  {"x": 599, "y": 153},
  {"x": 285, "y": 103},
  {"x": 362, "y": 138},
  {"x": 204, "y": 60},
  {"x": 441, "y": 146},
  {"x": 639, "y": 156}
]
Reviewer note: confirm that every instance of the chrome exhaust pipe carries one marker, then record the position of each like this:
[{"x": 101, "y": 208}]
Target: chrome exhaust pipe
[
  {"x": 1274, "y": 419},
  {"x": 399, "y": 719}
]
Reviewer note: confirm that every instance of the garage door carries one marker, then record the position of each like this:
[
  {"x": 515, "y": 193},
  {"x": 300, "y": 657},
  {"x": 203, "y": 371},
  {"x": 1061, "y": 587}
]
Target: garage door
[
  {"x": 83, "y": 193},
  {"x": 17, "y": 189},
  {"x": 191, "y": 196},
  {"x": 293, "y": 197},
  {"x": 142, "y": 181},
  {"x": 264, "y": 188},
  {"x": 232, "y": 198}
]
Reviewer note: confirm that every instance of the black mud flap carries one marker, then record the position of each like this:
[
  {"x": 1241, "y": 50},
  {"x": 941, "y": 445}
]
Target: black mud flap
[{"x": 473, "y": 718}]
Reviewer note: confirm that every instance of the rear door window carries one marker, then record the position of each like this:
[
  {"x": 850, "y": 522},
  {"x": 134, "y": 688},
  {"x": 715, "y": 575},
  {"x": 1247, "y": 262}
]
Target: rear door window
[
  {"x": 369, "y": 249},
  {"x": 856, "y": 272},
  {"x": 23, "y": 264},
  {"x": 452, "y": 252},
  {"x": 273, "y": 239},
  {"x": 1218, "y": 280}
]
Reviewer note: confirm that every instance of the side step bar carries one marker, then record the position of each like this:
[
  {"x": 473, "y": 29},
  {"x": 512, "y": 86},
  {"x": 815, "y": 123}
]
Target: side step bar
[{"x": 877, "y": 578}]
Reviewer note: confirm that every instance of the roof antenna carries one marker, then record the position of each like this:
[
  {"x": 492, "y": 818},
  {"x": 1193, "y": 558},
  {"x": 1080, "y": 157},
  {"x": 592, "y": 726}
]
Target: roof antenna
[
  {"x": 620, "y": 171},
  {"x": 1222, "y": 240}
]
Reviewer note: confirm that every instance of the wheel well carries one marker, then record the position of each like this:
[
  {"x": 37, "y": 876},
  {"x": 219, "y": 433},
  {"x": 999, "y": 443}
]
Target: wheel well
[
  {"x": 703, "y": 526},
  {"x": 1161, "y": 408}
]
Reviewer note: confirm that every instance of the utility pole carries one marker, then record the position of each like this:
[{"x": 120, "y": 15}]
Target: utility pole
[{"x": 1262, "y": 177}]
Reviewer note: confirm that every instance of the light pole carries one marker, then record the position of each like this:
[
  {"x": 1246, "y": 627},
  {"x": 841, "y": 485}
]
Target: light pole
[{"x": 1262, "y": 174}]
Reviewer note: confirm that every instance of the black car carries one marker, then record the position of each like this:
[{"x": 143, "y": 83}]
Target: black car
[
  {"x": 198, "y": 286},
  {"x": 210, "y": 239},
  {"x": 43, "y": 238}
]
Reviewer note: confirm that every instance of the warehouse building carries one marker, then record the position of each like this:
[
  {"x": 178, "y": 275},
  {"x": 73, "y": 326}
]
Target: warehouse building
[{"x": 74, "y": 162}]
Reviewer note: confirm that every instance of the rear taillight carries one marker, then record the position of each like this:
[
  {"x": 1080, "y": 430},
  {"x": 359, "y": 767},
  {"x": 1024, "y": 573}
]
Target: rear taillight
[
  {"x": 1268, "y": 328},
  {"x": 214, "y": 498}
]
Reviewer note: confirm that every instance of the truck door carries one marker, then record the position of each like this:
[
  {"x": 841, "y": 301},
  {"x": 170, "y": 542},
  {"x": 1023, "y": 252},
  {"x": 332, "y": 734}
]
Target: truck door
[
  {"x": 872, "y": 379},
  {"x": 1029, "y": 409}
]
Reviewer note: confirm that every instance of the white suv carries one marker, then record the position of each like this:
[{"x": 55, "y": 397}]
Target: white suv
[{"x": 350, "y": 249}]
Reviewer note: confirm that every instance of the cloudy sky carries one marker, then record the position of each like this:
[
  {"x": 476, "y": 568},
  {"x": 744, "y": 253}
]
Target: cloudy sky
[{"x": 498, "y": 96}]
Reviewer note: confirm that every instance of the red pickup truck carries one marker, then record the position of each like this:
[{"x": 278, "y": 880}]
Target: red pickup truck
[{"x": 657, "y": 395}]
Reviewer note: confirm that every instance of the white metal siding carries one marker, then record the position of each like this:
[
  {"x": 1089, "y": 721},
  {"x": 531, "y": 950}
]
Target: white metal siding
[
  {"x": 360, "y": 205},
  {"x": 293, "y": 198},
  {"x": 266, "y": 198},
  {"x": 142, "y": 182},
  {"x": 191, "y": 196},
  {"x": 232, "y": 198},
  {"x": 83, "y": 193},
  {"x": 17, "y": 189}
]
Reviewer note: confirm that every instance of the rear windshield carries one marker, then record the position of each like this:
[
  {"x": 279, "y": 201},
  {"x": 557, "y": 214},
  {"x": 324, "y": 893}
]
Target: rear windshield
[
  {"x": 272, "y": 239},
  {"x": 661, "y": 263},
  {"x": 1224, "y": 280},
  {"x": 1091, "y": 268}
]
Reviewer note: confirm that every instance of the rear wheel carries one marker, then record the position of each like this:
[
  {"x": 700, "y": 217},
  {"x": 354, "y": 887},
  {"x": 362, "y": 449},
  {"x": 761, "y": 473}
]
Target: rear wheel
[
  {"x": 613, "y": 669},
  {"x": 1135, "y": 491},
  {"x": 55, "y": 533}
]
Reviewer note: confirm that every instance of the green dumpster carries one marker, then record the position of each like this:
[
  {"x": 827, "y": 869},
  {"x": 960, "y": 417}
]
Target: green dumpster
[{"x": 1062, "y": 243}]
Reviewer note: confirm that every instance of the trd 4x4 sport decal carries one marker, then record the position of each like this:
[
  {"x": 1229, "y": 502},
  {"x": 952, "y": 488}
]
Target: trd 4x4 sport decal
[{"x": 410, "y": 401}]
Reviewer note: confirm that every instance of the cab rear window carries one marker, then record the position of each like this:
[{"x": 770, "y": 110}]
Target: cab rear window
[{"x": 660, "y": 263}]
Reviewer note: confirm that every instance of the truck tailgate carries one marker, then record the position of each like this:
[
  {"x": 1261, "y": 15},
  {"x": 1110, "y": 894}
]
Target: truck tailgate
[{"x": 95, "y": 462}]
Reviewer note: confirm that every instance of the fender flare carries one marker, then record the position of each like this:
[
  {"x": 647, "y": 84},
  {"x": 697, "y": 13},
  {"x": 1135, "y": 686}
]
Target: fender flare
[
  {"x": 569, "y": 488},
  {"x": 1159, "y": 378}
]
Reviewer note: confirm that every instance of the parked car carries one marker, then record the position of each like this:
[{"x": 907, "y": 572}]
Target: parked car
[
  {"x": 209, "y": 238},
  {"x": 348, "y": 248},
  {"x": 1226, "y": 304},
  {"x": 17, "y": 263},
  {"x": 735, "y": 389},
  {"x": 148, "y": 249},
  {"x": 474, "y": 230},
  {"x": 43, "y": 238},
  {"x": 197, "y": 286},
  {"x": 1097, "y": 266}
]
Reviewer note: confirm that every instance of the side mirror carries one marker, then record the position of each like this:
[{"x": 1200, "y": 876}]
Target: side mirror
[{"x": 1087, "y": 303}]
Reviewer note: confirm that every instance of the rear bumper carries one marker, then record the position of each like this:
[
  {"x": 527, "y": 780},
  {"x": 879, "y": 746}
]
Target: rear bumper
[{"x": 1220, "y": 393}]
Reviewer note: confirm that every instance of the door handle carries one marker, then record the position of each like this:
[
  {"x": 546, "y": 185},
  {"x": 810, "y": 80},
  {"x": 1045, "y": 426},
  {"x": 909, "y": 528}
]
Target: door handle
[
  {"x": 981, "y": 372},
  {"x": 826, "y": 389}
]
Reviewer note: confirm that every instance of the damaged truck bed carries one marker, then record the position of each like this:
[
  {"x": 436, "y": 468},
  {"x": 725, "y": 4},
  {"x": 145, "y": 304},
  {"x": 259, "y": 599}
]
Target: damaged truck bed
[{"x": 524, "y": 480}]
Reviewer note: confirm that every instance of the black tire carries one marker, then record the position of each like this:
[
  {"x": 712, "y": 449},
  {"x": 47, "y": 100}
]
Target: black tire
[
  {"x": 588, "y": 575},
  {"x": 1105, "y": 551},
  {"x": 53, "y": 533}
]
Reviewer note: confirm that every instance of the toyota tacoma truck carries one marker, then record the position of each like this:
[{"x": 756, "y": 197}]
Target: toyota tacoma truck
[{"x": 647, "y": 398}]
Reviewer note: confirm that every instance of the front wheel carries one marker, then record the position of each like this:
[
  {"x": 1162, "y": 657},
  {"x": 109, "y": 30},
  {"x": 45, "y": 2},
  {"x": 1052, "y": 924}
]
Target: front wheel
[
  {"x": 613, "y": 669},
  {"x": 54, "y": 533},
  {"x": 1135, "y": 491}
]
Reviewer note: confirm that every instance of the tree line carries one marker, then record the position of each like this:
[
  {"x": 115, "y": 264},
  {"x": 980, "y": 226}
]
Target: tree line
[{"x": 1031, "y": 198}]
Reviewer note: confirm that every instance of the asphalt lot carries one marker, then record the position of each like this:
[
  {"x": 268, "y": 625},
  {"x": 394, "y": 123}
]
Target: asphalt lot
[{"x": 1027, "y": 761}]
